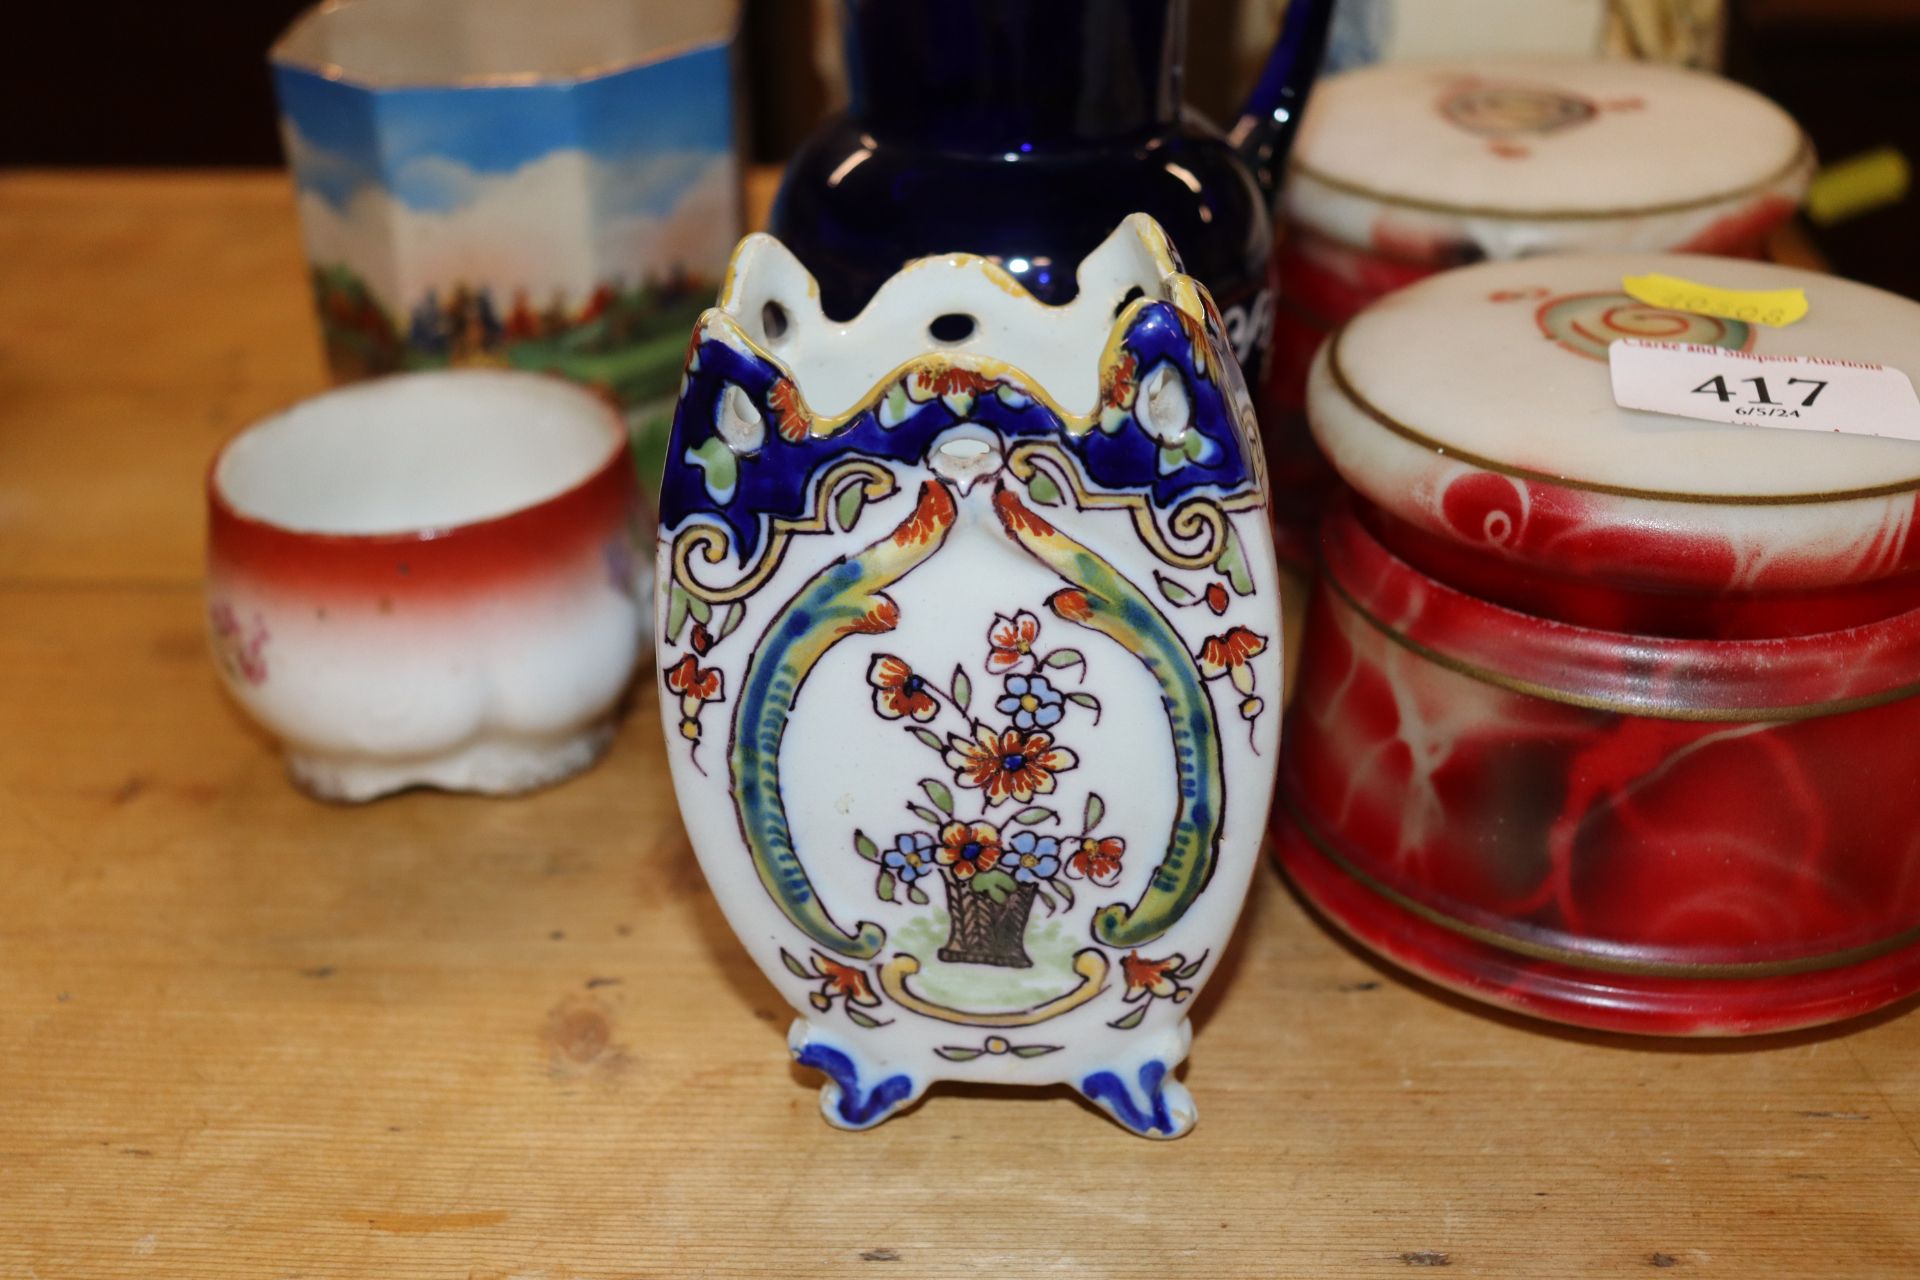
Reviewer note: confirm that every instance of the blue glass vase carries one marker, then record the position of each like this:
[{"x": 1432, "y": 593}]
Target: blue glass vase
[{"x": 1025, "y": 130}]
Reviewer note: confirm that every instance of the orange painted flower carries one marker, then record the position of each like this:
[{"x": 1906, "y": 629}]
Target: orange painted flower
[
  {"x": 1095, "y": 858},
  {"x": 695, "y": 684},
  {"x": 1018, "y": 518},
  {"x": 968, "y": 848},
  {"x": 1229, "y": 655},
  {"x": 844, "y": 980},
  {"x": 932, "y": 515},
  {"x": 883, "y": 617},
  {"x": 898, "y": 692},
  {"x": 1070, "y": 604},
  {"x": 948, "y": 380},
  {"x": 1120, "y": 381},
  {"x": 1009, "y": 765},
  {"x": 789, "y": 414},
  {"x": 1152, "y": 977},
  {"x": 1010, "y": 641}
]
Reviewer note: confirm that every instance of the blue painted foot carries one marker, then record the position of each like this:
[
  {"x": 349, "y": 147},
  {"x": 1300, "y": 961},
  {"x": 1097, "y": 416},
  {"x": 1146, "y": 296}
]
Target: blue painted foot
[
  {"x": 855, "y": 1096},
  {"x": 1148, "y": 1101}
]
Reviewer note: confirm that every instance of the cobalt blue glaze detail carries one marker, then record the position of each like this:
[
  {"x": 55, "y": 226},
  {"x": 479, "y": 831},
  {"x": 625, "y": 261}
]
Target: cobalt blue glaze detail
[
  {"x": 1025, "y": 130},
  {"x": 857, "y": 1107},
  {"x": 777, "y": 480},
  {"x": 1108, "y": 1089}
]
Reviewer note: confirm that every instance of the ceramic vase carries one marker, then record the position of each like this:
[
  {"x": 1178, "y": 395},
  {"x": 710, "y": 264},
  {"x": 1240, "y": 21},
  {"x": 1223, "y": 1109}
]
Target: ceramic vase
[{"x": 969, "y": 650}]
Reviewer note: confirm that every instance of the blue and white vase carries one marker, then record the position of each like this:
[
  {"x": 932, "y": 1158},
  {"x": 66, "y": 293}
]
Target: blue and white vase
[{"x": 969, "y": 650}]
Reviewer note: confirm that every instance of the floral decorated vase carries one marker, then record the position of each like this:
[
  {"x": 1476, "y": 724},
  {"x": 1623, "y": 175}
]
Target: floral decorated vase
[{"x": 970, "y": 665}]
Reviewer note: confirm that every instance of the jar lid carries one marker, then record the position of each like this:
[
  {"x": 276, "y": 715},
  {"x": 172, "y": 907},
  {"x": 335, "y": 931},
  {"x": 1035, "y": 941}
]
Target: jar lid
[
  {"x": 1500, "y": 157},
  {"x": 1478, "y": 405}
]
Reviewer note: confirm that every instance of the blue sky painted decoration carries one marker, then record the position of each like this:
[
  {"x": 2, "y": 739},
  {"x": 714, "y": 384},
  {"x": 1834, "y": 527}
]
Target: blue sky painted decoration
[{"x": 553, "y": 187}]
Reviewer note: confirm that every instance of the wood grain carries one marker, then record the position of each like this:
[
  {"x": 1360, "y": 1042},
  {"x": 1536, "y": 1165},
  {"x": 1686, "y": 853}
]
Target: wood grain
[{"x": 246, "y": 1034}]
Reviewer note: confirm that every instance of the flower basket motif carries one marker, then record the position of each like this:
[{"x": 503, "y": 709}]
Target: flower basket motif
[{"x": 966, "y": 669}]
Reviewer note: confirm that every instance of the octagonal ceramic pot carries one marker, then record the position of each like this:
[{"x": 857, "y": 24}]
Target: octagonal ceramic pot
[
  {"x": 515, "y": 184},
  {"x": 970, "y": 663}
]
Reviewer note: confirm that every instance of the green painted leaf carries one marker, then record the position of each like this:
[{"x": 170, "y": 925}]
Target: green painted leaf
[
  {"x": 931, "y": 738},
  {"x": 917, "y": 896},
  {"x": 794, "y": 967},
  {"x": 1088, "y": 701},
  {"x": 846, "y": 508},
  {"x": 1177, "y": 592},
  {"x": 863, "y": 1019},
  {"x": 676, "y": 612},
  {"x": 954, "y": 1053},
  {"x": 1130, "y": 1021},
  {"x": 962, "y": 689},
  {"x": 1190, "y": 971},
  {"x": 997, "y": 885},
  {"x": 1035, "y": 815},
  {"x": 719, "y": 465},
  {"x": 1232, "y": 565},
  {"x": 938, "y": 793},
  {"x": 885, "y": 886},
  {"x": 732, "y": 618},
  {"x": 1096, "y": 810},
  {"x": 1066, "y": 658},
  {"x": 925, "y": 814},
  {"x": 897, "y": 406},
  {"x": 864, "y": 846},
  {"x": 1043, "y": 490},
  {"x": 1034, "y": 1050},
  {"x": 1065, "y": 891},
  {"x": 702, "y": 611}
]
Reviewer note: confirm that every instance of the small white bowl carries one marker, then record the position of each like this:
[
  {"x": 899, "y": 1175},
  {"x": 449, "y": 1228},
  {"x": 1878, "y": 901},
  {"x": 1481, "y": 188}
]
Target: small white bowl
[{"x": 428, "y": 580}]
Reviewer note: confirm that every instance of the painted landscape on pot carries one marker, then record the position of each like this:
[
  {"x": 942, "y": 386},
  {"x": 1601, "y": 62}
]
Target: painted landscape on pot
[{"x": 571, "y": 227}]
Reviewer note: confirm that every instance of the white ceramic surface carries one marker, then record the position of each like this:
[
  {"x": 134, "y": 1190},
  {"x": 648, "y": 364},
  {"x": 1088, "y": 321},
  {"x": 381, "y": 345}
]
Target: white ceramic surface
[{"x": 1517, "y": 156}]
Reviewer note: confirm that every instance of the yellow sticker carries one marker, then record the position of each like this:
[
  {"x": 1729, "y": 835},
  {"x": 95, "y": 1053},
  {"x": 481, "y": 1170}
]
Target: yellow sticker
[
  {"x": 1775, "y": 308},
  {"x": 1849, "y": 188}
]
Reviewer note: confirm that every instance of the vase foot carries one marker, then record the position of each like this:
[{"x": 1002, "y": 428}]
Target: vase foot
[
  {"x": 1142, "y": 1095},
  {"x": 857, "y": 1094}
]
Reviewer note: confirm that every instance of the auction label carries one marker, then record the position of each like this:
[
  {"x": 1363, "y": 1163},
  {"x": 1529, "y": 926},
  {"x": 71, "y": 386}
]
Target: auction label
[{"x": 1806, "y": 393}]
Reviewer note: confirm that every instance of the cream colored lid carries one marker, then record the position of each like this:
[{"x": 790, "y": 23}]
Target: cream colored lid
[
  {"x": 1503, "y": 366},
  {"x": 1539, "y": 138}
]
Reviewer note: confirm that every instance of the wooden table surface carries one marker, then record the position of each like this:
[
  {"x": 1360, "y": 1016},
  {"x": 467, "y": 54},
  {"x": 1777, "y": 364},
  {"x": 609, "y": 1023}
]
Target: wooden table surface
[{"x": 246, "y": 1034}]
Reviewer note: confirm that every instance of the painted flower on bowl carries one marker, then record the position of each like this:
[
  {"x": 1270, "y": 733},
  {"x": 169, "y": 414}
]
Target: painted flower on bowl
[
  {"x": 1010, "y": 640},
  {"x": 1031, "y": 857},
  {"x": 1095, "y": 858},
  {"x": 898, "y": 692},
  {"x": 1158, "y": 979},
  {"x": 841, "y": 981},
  {"x": 1033, "y": 702},
  {"x": 968, "y": 848},
  {"x": 1012, "y": 765},
  {"x": 1229, "y": 655},
  {"x": 911, "y": 856}
]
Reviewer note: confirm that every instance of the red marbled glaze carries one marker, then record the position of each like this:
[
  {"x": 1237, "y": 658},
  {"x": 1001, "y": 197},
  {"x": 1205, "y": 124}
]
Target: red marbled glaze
[
  {"x": 482, "y": 556},
  {"x": 1323, "y": 283},
  {"x": 1729, "y": 802}
]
